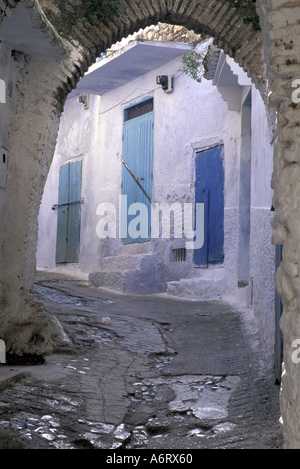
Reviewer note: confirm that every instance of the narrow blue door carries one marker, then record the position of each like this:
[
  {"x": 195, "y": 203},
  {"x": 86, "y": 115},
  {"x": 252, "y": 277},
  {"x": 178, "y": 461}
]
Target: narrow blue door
[
  {"x": 68, "y": 218},
  {"x": 209, "y": 189},
  {"x": 138, "y": 156}
]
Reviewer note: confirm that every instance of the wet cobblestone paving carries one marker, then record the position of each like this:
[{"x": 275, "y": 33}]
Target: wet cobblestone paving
[
  {"x": 181, "y": 414},
  {"x": 136, "y": 376}
]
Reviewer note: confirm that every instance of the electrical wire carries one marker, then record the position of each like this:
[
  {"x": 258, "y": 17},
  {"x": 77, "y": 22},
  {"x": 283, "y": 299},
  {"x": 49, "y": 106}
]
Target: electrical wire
[{"x": 123, "y": 101}]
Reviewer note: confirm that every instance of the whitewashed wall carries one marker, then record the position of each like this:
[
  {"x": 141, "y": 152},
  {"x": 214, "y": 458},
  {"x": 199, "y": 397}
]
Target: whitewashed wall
[
  {"x": 192, "y": 118},
  {"x": 8, "y": 73},
  {"x": 262, "y": 252},
  {"x": 76, "y": 141}
]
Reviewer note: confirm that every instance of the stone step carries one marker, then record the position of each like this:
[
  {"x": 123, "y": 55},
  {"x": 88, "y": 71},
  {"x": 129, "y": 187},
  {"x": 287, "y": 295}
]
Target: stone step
[
  {"x": 142, "y": 280},
  {"x": 210, "y": 289},
  {"x": 109, "y": 280},
  {"x": 113, "y": 263},
  {"x": 196, "y": 288}
]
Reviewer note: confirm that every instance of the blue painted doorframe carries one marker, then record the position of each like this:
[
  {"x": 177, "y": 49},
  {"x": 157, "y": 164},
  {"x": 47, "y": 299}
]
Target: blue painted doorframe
[
  {"x": 68, "y": 217},
  {"x": 209, "y": 189},
  {"x": 138, "y": 156}
]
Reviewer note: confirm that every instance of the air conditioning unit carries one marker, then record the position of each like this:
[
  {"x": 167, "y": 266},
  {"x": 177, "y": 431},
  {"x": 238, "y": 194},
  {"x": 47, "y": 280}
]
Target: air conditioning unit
[{"x": 166, "y": 82}]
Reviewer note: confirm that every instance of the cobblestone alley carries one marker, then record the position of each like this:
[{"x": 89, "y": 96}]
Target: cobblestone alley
[{"x": 140, "y": 372}]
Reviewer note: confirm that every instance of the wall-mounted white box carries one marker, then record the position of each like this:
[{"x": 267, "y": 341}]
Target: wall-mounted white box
[
  {"x": 3, "y": 167},
  {"x": 2, "y": 351}
]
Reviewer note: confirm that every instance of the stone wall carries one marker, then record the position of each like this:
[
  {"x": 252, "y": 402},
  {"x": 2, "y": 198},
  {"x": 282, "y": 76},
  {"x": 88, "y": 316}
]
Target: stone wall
[
  {"x": 169, "y": 32},
  {"x": 33, "y": 118},
  {"x": 280, "y": 21}
]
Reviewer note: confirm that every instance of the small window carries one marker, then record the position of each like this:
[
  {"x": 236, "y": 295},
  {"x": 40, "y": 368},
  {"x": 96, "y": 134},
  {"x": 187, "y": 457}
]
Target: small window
[
  {"x": 138, "y": 109},
  {"x": 178, "y": 255}
]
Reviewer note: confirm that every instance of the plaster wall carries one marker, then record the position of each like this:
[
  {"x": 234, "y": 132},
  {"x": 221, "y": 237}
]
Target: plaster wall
[
  {"x": 192, "y": 118},
  {"x": 262, "y": 252},
  {"x": 28, "y": 128},
  {"x": 77, "y": 140},
  {"x": 8, "y": 73}
]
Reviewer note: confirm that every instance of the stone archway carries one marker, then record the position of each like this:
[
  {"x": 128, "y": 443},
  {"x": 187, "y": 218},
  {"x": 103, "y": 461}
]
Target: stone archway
[{"x": 44, "y": 81}]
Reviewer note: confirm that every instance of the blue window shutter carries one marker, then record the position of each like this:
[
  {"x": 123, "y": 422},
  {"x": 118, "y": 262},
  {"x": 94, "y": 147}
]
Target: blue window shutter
[
  {"x": 74, "y": 212},
  {"x": 69, "y": 212},
  {"x": 62, "y": 213}
]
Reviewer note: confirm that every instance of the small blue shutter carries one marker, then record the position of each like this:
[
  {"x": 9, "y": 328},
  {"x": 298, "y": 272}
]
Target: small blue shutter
[
  {"x": 138, "y": 155},
  {"x": 69, "y": 212},
  {"x": 74, "y": 212},
  {"x": 209, "y": 189},
  {"x": 62, "y": 213}
]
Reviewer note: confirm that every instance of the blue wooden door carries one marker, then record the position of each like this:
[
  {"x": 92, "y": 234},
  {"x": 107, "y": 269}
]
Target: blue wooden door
[
  {"x": 68, "y": 218},
  {"x": 138, "y": 156},
  {"x": 209, "y": 189}
]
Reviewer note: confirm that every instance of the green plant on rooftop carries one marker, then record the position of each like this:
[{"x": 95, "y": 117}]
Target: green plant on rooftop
[
  {"x": 192, "y": 64},
  {"x": 192, "y": 60}
]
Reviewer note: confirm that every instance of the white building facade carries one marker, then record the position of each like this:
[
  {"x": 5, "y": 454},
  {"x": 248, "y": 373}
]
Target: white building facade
[{"x": 123, "y": 139}]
